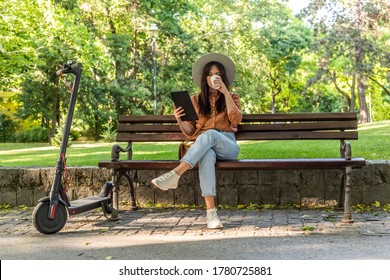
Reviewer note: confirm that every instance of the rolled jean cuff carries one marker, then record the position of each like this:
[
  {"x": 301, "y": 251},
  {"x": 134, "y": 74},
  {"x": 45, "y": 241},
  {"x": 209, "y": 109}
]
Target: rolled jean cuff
[
  {"x": 191, "y": 165},
  {"x": 208, "y": 194}
]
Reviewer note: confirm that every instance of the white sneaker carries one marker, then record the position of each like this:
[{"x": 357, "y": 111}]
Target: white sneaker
[
  {"x": 167, "y": 181},
  {"x": 212, "y": 219}
]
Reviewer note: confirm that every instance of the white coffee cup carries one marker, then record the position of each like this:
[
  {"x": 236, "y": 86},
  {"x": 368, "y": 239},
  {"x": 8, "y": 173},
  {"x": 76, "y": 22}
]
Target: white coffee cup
[{"x": 212, "y": 80}]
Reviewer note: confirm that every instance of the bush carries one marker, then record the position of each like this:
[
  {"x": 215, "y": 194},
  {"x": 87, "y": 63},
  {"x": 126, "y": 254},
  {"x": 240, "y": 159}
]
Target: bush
[
  {"x": 75, "y": 135},
  {"x": 108, "y": 135},
  {"x": 7, "y": 128},
  {"x": 57, "y": 139},
  {"x": 35, "y": 134}
]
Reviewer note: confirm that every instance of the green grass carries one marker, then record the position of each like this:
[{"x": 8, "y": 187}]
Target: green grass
[{"x": 373, "y": 144}]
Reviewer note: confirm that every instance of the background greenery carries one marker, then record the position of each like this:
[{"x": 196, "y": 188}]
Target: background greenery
[
  {"x": 333, "y": 56},
  {"x": 373, "y": 141}
]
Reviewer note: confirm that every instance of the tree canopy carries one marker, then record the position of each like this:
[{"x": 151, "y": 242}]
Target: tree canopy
[{"x": 331, "y": 57}]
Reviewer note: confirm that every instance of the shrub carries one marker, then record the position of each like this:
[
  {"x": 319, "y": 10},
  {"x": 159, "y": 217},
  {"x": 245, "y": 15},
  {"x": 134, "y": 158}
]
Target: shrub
[
  {"x": 35, "y": 134},
  {"x": 108, "y": 135},
  {"x": 7, "y": 128},
  {"x": 75, "y": 135},
  {"x": 57, "y": 139}
]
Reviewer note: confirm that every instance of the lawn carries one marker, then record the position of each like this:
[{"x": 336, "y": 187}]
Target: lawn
[{"x": 373, "y": 144}]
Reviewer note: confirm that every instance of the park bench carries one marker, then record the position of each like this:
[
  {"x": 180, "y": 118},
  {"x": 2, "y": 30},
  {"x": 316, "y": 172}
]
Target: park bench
[{"x": 289, "y": 126}]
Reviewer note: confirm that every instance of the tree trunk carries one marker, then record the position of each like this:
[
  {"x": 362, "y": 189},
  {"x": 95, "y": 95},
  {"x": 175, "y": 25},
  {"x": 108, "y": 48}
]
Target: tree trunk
[
  {"x": 276, "y": 88},
  {"x": 359, "y": 54},
  {"x": 97, "y": 128},
  {"x": 350, "y": 100},
  {"x": 353, "y": 97},
  {"x": 117, "y": 63},
  {"x": 133, "y": 10},
  {"x": 56, "y": 105},
  {"x": 273, "y": 109},
  {"x": 364, "y": 116},
  {"x": 135, "y": 68}
]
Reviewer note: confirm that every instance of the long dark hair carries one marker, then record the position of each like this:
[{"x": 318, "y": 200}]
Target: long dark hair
[{"x": 204, "y": 104}]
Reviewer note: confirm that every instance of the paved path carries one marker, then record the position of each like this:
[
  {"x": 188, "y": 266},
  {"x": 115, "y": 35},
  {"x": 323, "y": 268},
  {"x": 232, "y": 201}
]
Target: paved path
[{"x": 181, "y": 234}]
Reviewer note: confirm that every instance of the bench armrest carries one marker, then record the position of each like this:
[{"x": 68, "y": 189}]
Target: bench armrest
[
  {"x": 346, "y": 151},
  {"x": 116, "y": 149}
]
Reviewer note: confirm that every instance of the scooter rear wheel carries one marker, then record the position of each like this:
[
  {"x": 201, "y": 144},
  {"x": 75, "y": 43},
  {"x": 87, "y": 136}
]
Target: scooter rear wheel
[{"x": 42, "y": 222}]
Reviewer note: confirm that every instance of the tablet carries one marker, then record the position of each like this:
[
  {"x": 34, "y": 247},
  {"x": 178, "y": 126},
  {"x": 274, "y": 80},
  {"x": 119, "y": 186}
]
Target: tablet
[{"x": 182, "y": 99}]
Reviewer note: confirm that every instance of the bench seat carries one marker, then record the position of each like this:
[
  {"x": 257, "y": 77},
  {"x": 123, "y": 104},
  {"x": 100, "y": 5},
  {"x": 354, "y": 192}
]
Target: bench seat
[{"x": 244, "y": 164}]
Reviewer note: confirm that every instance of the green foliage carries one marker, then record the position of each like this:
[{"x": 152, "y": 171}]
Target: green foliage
[
  {"x": 5, "y": 206},
  {"x": 57, "y": 139},
  {"x": 329, "y": 218},
  {"x": 308, "y": 228},
  {"x": 7, "y": 128},
  {"x": 370, "y": 208},
  {"x": 284, "y": 63},
  {"x": 351, "y": 51},
  {"x": 386, "y": 207},
  {"x": 74, "y": 135},
  {"x": 35, "y": 134},
  {"x": 109, "y": 135}
]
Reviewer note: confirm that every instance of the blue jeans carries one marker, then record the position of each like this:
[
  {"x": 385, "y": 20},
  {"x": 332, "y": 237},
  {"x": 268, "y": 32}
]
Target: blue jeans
[{"x": 210, "y": 146}]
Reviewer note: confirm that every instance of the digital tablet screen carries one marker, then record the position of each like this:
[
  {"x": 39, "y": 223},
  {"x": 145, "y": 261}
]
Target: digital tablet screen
[{"x": 182, "y": 99}]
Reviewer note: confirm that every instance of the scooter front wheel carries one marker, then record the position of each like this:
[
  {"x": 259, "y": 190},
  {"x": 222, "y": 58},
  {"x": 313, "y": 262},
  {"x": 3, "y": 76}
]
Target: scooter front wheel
[
  {"x": 106, "y": 191},
  {"x": 42, "y": 222}
]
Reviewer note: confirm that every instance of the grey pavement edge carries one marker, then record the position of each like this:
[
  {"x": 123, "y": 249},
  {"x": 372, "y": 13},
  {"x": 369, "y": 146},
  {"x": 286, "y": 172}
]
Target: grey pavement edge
[{"x": 180, "y": 234}]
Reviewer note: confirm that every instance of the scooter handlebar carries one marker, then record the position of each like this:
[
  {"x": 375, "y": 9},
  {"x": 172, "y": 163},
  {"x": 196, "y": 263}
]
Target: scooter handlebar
[{"x": 70, "y": 67}]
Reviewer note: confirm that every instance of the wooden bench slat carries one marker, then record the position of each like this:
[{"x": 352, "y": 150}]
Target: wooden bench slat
[
  {"x": 244, "y": 164},
  {"x": 297, "y": 135},
  {"x": 157, "y": 137},
  {"x": 139, "y": 128},
  {"x": 166, "y": 128},
  {"x": 147, "y": 119},
  {"x": 299, "y": 117},
  {"x": 287, "y": 117},
  {"x": 278, "y": 135},
  {"x": 327, "y": 125}
]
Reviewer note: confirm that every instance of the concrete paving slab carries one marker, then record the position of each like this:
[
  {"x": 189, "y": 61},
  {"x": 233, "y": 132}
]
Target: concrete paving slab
[{"x": 181, "y": 234}]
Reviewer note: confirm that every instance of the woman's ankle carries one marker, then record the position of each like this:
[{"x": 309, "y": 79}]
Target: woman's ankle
[
  {"x": 210, "y": 202},
  {"x": 182, "y": 168}
]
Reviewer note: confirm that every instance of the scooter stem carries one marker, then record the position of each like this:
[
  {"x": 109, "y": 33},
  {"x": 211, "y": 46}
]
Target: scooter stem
[{"x": 57, "y": 190}]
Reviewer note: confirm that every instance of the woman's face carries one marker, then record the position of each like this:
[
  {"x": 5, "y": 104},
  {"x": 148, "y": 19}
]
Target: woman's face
[{"x": 214, "y": 70}]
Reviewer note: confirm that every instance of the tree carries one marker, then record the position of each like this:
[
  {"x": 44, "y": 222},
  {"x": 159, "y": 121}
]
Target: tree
[
  {"x": 348, "y": 61},
  {"x": 345, "y": 34},
  {"x": 20, "y": 41},
  {"x": 282, "y": 45},
  {"x": 44, "y": 97}
]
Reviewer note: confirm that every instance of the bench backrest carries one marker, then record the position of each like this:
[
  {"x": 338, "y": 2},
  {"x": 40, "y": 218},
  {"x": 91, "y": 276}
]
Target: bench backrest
[{"x": 289, "y": 126}]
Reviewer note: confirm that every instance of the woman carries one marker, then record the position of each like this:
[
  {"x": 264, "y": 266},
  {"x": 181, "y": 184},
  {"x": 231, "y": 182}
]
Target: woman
[{"x": 219, "y": 113}]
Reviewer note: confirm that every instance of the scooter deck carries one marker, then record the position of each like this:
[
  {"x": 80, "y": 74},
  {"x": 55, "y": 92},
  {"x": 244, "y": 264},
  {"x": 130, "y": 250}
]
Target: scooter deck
[{"x": 86, "y": 204}]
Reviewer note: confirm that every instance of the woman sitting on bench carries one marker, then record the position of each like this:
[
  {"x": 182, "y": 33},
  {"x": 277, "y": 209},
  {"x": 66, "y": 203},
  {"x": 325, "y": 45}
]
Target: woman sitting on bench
[{"x": 219, "y": 113}]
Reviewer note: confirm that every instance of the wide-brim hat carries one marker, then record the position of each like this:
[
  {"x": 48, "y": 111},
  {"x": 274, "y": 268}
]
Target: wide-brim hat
[{"x": 227, "y": 63}]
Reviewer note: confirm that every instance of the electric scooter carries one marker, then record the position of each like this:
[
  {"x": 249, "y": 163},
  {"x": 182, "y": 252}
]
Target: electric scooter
[{"x": 50, "y": 214}]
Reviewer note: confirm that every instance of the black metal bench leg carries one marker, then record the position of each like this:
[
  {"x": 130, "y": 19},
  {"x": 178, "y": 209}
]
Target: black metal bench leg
[
  {"x": 347, "y": 197},
  {"x": 340, "y": 202},
  {"x": 133, "y": 204},
  {"x": 115, "y": 191}
]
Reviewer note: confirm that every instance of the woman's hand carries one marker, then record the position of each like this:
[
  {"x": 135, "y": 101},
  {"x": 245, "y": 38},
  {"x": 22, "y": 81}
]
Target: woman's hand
[
  {"x": 185, "y": 128},
  {"x": 178, "y": 112},
  {"x": 220, "y": 85}
]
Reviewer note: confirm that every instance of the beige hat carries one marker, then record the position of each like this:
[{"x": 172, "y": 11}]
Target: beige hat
[{"x": 197, "y": 69}]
